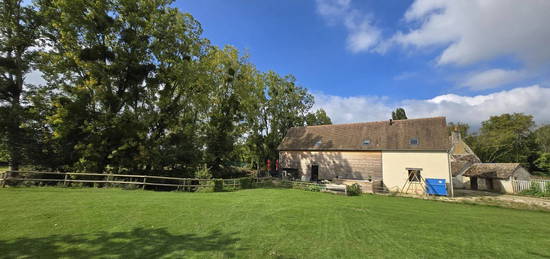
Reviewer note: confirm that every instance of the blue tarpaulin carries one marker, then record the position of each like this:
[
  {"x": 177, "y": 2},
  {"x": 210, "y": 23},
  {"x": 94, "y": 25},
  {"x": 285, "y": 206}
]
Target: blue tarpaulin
[{"x": 436, "y": 186}]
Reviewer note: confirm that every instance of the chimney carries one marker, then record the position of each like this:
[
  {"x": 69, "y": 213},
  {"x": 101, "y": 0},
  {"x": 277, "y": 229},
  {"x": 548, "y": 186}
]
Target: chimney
[{"x": 455, "y": 135}]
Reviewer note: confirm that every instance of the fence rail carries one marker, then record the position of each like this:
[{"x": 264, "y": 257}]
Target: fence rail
[
  {"x": 523, "y": 185},
  {"x": 145, "y": 180}
]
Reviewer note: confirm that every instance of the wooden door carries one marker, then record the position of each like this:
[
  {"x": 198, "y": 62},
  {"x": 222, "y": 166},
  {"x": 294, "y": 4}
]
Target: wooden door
[
  {"x": 314, "y": 173},
  {"x": 473, "y": 183}
]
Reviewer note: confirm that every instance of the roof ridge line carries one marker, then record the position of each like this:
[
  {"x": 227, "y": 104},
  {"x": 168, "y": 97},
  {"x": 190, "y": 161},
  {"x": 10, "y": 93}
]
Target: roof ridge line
[{"x": 366, "y": 122}]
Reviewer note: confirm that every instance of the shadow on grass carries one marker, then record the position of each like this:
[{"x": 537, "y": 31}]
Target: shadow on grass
[{"x": 137, "y": 243}]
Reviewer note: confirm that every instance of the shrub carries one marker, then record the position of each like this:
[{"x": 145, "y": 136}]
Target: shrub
[
  {"x": 547, "y": 189},
  {"x": 534, "y": 189},
  {"x": 353, "y": 190},
  {"x": 314, "y": 188},
  {"x": 218, "y": 185},
  {"x": 203, "y": 172},
  {"x": 209, "y": 186},
  {"x": 246, "y": 182}
]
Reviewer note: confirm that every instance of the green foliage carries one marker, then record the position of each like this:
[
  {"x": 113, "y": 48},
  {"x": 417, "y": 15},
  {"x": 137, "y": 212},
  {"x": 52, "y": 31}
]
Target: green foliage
[
  {"x": 543, "y": 162},
  {"x": 246, "y": 182},
  {"x": 218, "y": 185},
  {"x": 542, "y": 137},
  {"x": 536, "y": 190},
  {"x": 320, "y": 117},
  {"x": 4, "y": 155},
  {"x": 314, "y": 188},
  {"x": 399, "y": 114},
  {"x": 353, "y": 190},
  {"x": 133, "y": 87},
  {"x": 505, "y": 138},
  {"x": 203, "y": 172},
  {"x": 19, "y": 32}
]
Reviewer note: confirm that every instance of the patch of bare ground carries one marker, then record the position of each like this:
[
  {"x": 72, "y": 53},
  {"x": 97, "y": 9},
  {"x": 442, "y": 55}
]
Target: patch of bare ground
[{"x": 492, "y": 199}]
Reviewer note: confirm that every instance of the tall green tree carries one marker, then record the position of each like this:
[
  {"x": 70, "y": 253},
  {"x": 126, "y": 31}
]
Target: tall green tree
[
  {"x": 123, "y": 70},
  {"x": 506, "y": 138},
  {"x": 281, "y": 105},
  {"x": 318, "y": 117},
  {"x": 19, "y": 32},
  {"x": 542, "y": 136},
  {"x": 229, "y": 81},
  {"x": 399, "y": 114}
]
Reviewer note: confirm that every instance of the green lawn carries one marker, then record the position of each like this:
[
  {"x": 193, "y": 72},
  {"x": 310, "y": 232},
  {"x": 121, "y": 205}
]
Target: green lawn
[{"x": 259, "y": 223}]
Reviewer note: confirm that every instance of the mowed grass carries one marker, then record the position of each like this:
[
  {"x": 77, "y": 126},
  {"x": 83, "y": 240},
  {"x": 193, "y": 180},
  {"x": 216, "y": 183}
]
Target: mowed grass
[{"x": 258, "y": 223}]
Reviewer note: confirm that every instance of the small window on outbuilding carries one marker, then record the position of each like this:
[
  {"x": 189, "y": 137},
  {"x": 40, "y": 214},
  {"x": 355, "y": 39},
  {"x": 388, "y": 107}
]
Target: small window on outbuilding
[
  {"x": 366, "y": 142},
  {"x": 414, "y": 175},
  {"x": 413, "y": 141}
]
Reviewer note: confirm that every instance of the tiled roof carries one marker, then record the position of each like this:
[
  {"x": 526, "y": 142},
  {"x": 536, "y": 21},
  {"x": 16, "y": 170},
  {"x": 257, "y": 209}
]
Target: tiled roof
[
  {"x": 492, "y": 170},
  {"x": 431, "y": 134}
]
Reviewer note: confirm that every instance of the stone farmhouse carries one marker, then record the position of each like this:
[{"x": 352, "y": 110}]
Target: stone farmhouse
[{"x": 389, "y": 154}]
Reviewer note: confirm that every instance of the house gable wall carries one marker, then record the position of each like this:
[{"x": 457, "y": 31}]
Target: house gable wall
[{"x": 395, "y": 164}]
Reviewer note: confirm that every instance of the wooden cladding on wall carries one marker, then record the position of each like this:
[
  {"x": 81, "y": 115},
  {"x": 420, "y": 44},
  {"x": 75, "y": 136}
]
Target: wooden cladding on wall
[{"x": 345, "y": 164}]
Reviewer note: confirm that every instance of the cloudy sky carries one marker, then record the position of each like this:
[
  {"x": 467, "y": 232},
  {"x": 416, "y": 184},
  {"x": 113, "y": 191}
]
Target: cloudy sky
[{"x": 466, "y": 59}]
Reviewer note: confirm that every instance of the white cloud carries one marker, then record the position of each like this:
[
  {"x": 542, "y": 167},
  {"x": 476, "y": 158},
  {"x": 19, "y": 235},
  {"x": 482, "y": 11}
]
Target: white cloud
[
  {"x": 493, "y": 78},
  {"x": 531, "y": 100},
  {"x": 362, "y": 34},
  {"x": 480, "y": 30},
  {"x": 467, "y": 32}
]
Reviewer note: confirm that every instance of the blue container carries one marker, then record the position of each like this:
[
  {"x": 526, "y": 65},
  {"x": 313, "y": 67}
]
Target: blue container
[{"x": 436, "y": 186}]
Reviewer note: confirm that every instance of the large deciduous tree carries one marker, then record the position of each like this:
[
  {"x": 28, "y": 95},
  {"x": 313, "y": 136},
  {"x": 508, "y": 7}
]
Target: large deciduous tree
[
  {"x": 19, "y": 31},
  {"x": 123, "y": 69},
  {"x": 506, "y": 138}
]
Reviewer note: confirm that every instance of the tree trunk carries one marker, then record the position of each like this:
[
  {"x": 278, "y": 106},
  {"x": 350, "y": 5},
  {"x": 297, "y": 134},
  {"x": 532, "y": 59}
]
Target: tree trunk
[{"x": 14, "y": 131}]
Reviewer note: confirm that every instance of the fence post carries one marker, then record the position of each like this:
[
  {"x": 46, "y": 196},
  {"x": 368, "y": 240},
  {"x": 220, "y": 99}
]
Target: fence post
[
  {"x": 144, "y": 181},
  {"x": 65, "y": 180}
]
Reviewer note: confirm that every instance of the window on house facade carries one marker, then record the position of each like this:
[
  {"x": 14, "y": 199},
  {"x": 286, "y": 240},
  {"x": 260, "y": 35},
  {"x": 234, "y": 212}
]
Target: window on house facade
[
  {"x": 414, "y": 175},
  {"x": 413, "y": 141},
  {"x": 318, "y": 143},
  {"x": 366, "y": 142}
]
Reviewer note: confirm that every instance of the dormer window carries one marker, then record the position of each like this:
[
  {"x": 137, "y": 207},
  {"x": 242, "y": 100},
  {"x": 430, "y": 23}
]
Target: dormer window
[
  {"x": 366, "y": 142},
  {"x": 413, "y": 141}
]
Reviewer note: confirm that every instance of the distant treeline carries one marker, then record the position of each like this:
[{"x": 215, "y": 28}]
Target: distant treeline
[
  {"x": 510, "y": 138},
  {"x": 133, "y": 87}
]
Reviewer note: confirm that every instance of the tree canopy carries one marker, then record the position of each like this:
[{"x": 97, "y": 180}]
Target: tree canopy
[
  {"x": 399, "y": 114},
  {"x": 134, "y": 87}
]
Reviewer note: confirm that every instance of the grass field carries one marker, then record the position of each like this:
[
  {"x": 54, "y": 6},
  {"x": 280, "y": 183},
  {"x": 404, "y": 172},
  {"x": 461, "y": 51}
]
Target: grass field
[{"x": 259, "y": 223}]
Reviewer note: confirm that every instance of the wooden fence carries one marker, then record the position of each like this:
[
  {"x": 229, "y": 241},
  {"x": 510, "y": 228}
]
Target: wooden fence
[
  {"x": 523, "y": 185},
  {"x": 181, "y": 184}
]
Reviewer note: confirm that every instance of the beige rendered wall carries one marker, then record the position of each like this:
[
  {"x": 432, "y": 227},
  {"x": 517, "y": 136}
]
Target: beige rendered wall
[
  {"x": 395, "y": 164},
  {"x": 345, "y": 164}
]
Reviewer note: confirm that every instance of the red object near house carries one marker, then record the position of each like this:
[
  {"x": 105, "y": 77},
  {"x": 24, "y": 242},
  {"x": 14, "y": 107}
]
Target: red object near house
[
  {"x": 268, "y": 165},
  {"x": 277, "y": 165}
]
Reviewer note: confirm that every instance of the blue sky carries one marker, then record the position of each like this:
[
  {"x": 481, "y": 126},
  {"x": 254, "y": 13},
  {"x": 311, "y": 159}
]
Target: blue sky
[
  {"x": 466, "y": 60},
  {"x": 291, "y": 37}
]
